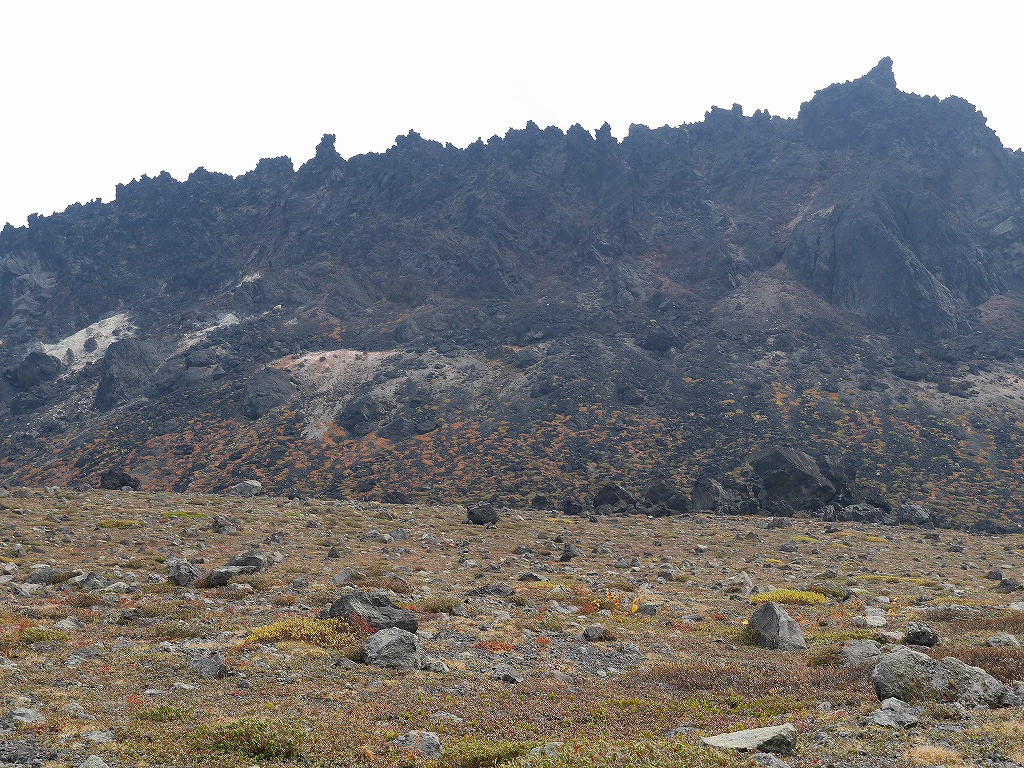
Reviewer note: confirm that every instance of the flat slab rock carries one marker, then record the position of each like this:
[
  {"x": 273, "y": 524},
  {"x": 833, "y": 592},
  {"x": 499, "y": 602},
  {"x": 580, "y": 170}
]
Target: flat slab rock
[{"x": 777, "y": 739}]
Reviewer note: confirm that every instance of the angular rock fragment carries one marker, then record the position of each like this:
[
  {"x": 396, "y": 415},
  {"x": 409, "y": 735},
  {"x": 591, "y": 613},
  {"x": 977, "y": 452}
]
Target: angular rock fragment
[
  {"x": 375, "y": 609},
  {"x": 209, "y": 667},
  {"x": 771, "y": 627},
  {"x": 393, "y": 648},
  {"x": 182, "y": 573},
  {"x": 424, "y": 744}
]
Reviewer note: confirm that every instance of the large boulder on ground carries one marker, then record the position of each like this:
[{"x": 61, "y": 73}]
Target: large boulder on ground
[
  {"x": 777, "y": 739},
  {"x": 375, "y": 609},
  {"x": 425, "y": 744},
  {"x": 792, "y": 479},
  {"x": 1002, "y": 640},
  {"x": 482, "y": 513},
  {"x": 221, "y": 575},
  {"x": 393, "y": 648},
  {"x": 614, "y": 499},
  {"x": 912, "y": 677},
  {"x": 771, "y": 627},
  {"x": 663, "y": 498},
  {"x": 247, "y": 488},
  {"x": 909, "y": 514},
  {"x": 571, "y": 506},
  {"x": 709, "y": 495},
  {"x": 224, "y": 525},
  {"x": 856, "y": 652},
  {"x": 116, "y": 479},
  {"x": 209, "y": 667},
  {"x": 266, "y": 391},
  {"x": 861, "y": 512},
  {"x": 251, "y": 558},
  {"x": 894, "y": 714},
  {"x": 182, "y": 573},
  {"x": 921, "y": 634}
]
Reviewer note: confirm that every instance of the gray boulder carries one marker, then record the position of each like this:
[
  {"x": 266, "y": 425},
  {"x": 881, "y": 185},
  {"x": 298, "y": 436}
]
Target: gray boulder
[
  {"x": 909, "y": 514},
  {"x": 792, "y": 480},
  {"x": 247, "y": 488},
  {"x": 507, "y": 673},
  {"x": 777, "y": 739},
  {"x": 182, "y": 573},
  {"x": 709, "y": 495},
  {"x": 856, "y": 652},
  {"x": 771, "y": 627},
  {"x": 375, "y": 609},
  {"x": 221, "y": 575},
  {"x": 346, "y": 575},
  {"x": 251, "y": 558},
  {"x": 425, "y": 744},
  {"x": 24, "y": 716},
  {"x": 393, "y": 648},
  {"x": 1002, "y": 640},
  {"x": 209, "y": 667},
  {"x": 894, "y": 714},
  {"x": 91, "y": 580},
  {"x": 224, "y": 525},
  {"x": 913, "y": 677}
]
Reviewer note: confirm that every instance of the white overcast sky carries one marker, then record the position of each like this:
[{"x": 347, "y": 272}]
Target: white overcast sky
[{"x": 96, "y": 93}]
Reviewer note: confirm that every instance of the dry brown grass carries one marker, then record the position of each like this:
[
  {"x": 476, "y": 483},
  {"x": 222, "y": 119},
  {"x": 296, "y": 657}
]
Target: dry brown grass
[
  {"x": 929, "y": 754},
  {"x": 760, "y": 676},
  {"x": 698, "y": 674}
]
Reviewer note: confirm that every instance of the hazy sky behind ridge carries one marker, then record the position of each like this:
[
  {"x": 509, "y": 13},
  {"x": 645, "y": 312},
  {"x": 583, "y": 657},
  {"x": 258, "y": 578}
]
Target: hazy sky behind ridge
[{"x": 98, "y": 93}]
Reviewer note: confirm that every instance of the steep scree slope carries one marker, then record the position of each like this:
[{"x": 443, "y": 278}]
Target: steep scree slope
[{"x": 542, "y": 312}]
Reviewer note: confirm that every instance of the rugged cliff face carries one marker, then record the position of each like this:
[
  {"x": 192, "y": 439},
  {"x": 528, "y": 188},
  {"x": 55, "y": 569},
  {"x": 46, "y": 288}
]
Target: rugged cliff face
[{"x": 541, "y": 312}]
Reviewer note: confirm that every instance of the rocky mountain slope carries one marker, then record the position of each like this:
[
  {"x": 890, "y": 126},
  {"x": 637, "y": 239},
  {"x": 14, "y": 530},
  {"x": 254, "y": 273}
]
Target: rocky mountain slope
[{"x": 544, "y": 313}]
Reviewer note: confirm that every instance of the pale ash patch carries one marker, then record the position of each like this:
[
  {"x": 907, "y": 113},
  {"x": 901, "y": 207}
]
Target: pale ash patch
[
  {"x": 326, "y": 376},
  {"x": 225, "y": 320},
  {"x": 71, "y": 350}
]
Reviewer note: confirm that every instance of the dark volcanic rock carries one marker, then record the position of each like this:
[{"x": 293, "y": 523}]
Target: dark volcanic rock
[
  {"x": 521, "y": 314},
  {"x": 571, "y": 506},
  {"x": 909, "y": 514},
  {"x": 375, "y": 609},
  {"x": 266, "y": 391},
  {"x": 116, "y": 479},
  {"x": 614, "y": 499},
  {"x": 709, "y": 495},
  {"x": 664, "y": 498},
  {"x": 35, "y": 369},
  {"x": 482, "y": 513},
  {"x": 126, "y": 371},
  {"x": 792, "y": 480}
]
